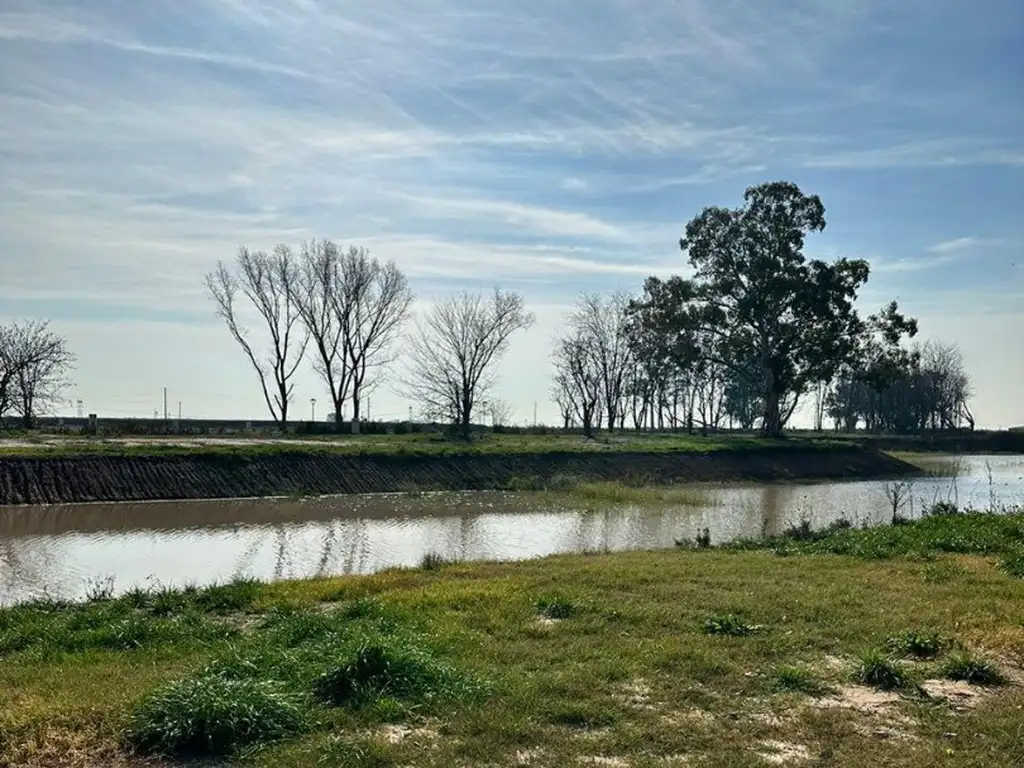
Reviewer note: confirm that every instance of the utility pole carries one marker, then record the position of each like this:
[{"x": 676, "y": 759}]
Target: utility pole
[
  {"x": 535, "y": 413},
  {"x": 312, "y": 409},
  {"x": 410, "y": 414},
  {"x": 165, "y": 403},
  {"x": 368, "y": 409}
]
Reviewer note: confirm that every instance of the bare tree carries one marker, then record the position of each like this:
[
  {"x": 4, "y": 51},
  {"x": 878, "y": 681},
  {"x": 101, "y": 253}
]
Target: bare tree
[
  {"x": 898, "y": 492},
  {"x": 451, "y": 355},
  {"x": 500, "y": 412},
  {"x": 372, "y": 304},
  {"x": 315, "y": 296},
  {"x": 603, "y": 326},
  {"x": 9, "y": 366},
  {"x": 578, "y": 382},
  {"x": 34, "y": 364},
  {"x": 270, "y": 283}
]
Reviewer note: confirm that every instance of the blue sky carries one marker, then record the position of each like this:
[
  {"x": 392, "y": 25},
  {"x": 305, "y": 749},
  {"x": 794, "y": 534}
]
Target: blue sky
[{"x": 552, "y": 147}]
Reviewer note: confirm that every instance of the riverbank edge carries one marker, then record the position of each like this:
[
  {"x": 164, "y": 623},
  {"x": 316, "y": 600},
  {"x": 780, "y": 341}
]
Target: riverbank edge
[{"x": 69, "y": 480}]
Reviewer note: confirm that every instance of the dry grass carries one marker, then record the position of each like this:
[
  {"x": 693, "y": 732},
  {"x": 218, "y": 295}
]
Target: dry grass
[{"x": 628, "y": 678}]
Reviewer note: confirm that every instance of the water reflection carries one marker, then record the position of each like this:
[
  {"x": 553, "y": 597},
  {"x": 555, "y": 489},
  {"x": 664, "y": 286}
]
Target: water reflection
[{"x": 57, "y": 549}]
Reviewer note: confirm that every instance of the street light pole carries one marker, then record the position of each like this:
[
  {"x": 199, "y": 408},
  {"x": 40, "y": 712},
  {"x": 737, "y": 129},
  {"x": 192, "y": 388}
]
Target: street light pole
[{"x": 312, "y": 409}]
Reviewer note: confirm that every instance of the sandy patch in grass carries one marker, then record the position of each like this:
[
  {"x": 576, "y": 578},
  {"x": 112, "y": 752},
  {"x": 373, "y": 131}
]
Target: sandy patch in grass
[
  {"x": 636, "y": 695},
  {"x": 605, "y": 762},
  {"x": 783, "y": 752},
  {"x": 397, "y": 734},
  {"x": 688, "y": 717},
  {"x": 860, "y": 698},
  {"x": 960, "y": 695}
]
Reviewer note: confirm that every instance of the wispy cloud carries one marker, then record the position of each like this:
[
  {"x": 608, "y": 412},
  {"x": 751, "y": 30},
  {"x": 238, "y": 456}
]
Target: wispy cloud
[{"x": 533, "y": 141}]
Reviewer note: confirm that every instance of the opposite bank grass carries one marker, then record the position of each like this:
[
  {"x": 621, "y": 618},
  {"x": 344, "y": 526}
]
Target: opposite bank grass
[{"x": 711, "y": 657}]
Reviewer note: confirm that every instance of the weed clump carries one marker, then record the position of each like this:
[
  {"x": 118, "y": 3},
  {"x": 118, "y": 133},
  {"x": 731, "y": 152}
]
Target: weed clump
[
  {"x": 212, "y": 716},
  {"x": 378, "y": 670},
  {"x": 729, "y": 624},
  {"x": 556, "y": 608},
  {"x": 876, "y": 669},
  {"x": 972, "y": 668},
  {"x": 433, "y": 561},
  {"x": 921, "y": 645},
  {"x": 236, "y": 595},
  {"x": 792, "y": 679}
]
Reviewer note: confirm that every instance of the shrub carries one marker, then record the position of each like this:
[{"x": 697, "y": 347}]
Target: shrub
[
  {"x": 792, "y": 679},
  {"x": 876, "y": 669},
  {"x": 213, "y": 716},
  {"x": 729, "y": 624},
  {"x": 556, "y": 607},
  {"x": 972, "y": 668},
  {"x": 923, "y": 645},
  {"x": 99, "y": 590}
]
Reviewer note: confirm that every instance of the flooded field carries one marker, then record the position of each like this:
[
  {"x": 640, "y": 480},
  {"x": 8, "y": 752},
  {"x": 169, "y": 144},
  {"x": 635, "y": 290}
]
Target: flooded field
[{"x": 59, "y": 550}]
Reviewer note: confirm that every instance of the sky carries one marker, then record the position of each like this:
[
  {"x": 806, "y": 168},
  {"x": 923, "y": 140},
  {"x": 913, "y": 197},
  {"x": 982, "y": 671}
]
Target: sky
[{"x": 547, "y": 146}]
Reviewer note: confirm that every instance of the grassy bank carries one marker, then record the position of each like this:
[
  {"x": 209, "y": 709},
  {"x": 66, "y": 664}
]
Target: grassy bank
[
  {"x": 420, "y": 444},
  {"x": 736, "y": 657},
  {"x": 198, "y": 475}
]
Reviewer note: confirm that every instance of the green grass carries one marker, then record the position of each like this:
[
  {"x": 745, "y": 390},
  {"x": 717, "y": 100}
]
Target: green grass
[
  {"x": 972, "y": 667},
  {"x": 789, "y": 678},
  {"x": 876, "y": 669},
  {"x": 920, "y": 645},
  {"x": 729, "y": 624},
  {"x": 452, "y": 667},
  {"x": 413, "y": 445},
  {"x": 214, "y": 716},
  {"x": 977, "y": 533}
]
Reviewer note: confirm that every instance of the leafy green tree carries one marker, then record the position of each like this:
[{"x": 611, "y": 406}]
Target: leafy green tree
[{"x": 764, "y": 301}]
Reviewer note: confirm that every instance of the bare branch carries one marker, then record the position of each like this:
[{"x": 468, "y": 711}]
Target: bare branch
[
  {"x": 271, "y": 283},
  {"x": 453, "y": 352}
]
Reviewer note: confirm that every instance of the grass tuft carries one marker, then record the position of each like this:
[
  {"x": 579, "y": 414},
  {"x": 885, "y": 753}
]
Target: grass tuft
[
  {"x": 973, "y": 668},
  {"x": 378, "y": 670},
  {"x": 433, "y": 561},
  {"x": 213, "y": 716},
  {"x": 921, "y": 645},
  {"x": 729, "y": 624},
  {"x": 788, "y": 678},
  {"x": 557, "y": 608},
  {"x": 876, "y": 669},
  {"x": 236, "y": 595}
]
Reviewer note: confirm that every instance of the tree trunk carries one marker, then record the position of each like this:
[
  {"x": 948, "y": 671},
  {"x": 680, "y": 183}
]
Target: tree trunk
[
  {"x": 772, "y": 426},
  {"x": 355, "y": 413}
]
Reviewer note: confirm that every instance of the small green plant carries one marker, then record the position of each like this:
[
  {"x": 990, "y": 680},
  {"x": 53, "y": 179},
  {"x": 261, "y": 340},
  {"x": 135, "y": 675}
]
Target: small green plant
[
  {"x": 433, "y": 561},
  {"x": 1013, "y": 564},
  {"x": 922, "y": 645},
  {"x": 876, "y": 669},
  {"x": 167, "y": 601},
  {"x": 213, "y": 716},
  {"x": 99, "y": 590},
  {"x": 556, "y": 607},
  {"x": 236, "y": 595},
  {"x": 801, "y": 531},
  {"x": 943, "y": 509},
  {"x": 729, "y": 624},
  {"x": 973, "y": 668},
  {"x": 792, "y": 679},
  {"x": 704, "y": 539}
]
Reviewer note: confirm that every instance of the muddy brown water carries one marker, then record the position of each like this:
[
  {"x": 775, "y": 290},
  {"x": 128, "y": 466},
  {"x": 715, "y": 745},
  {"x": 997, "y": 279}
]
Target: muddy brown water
[{"x": 58, "y": 550}]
